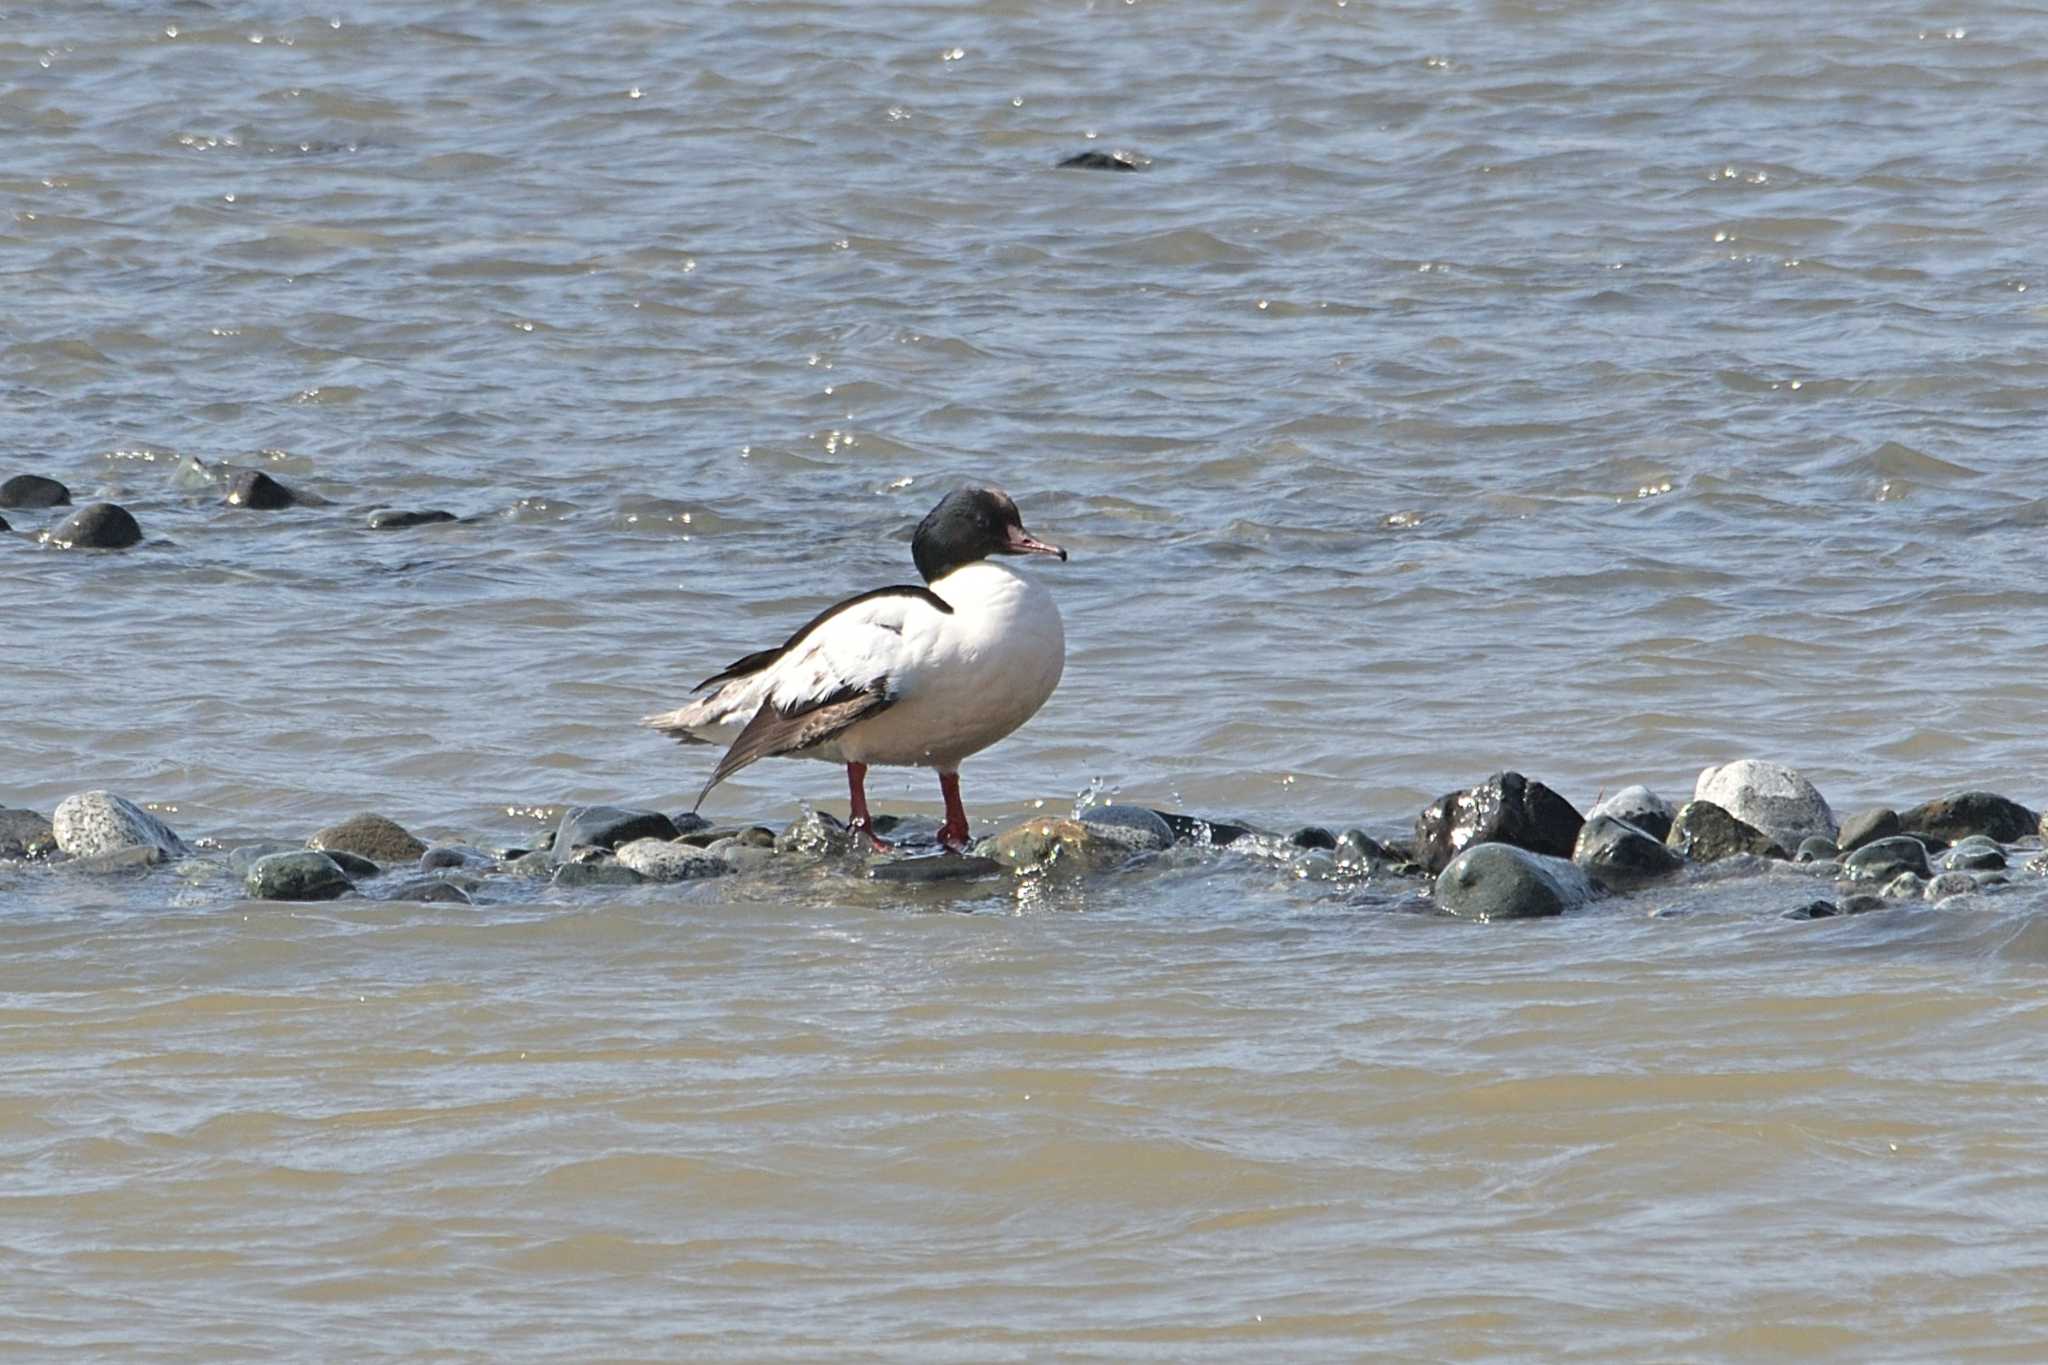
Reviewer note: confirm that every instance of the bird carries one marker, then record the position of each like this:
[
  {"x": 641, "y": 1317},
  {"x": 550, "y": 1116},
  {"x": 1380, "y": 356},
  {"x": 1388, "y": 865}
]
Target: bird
[{"x": 917, "y": 675}]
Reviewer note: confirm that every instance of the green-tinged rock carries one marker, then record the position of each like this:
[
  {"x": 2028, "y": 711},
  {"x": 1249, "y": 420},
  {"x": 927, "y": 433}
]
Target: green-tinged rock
[
  {"x": 301, "y": 875},
  {"x": 597, "y": 874},
  {"x": 368, "y": 835},
  {"x": 1884, "y": 859},
  {"x": 1705, "y": 833},
  {"x": 1500, "y": 881}
]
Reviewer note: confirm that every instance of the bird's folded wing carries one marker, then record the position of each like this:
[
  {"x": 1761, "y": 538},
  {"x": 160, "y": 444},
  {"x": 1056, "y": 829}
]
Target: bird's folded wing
[{"x": 779, "y": 730}]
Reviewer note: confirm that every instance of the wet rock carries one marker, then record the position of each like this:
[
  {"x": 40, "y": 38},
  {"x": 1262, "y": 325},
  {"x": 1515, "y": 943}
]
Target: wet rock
[
  {"x": 1905, "y": 887},
  {"x": 1953, "y": 818},
  {"x": 1638, "y": 806},
  {"x": 1313, "y": 837},
  {"x": 1132, "y": 827},
  {"x": 25, "y": 834},
  {"x": 242, "y": 857},
  {"x": 300, "y": 875},
  {"x": 1356, "y": 846},
  {"x": 355, "y": 865},
  {"x": 689, "y": 822},
  {"x": 1705, "y": 833},
  {"x": 814, "y": 832},
  {"x": 427, "y": 889},
  {"x": 34, "y": 490},
  {"x": 1197, "y": 830},
  {"x": 1047, "y": 842},
  {"x": 95, "y": 526},
  {"x": 661, "y": 860},
  {"x": 1949, "y": 885},
  {"x": 1883, "y": 859},
  {"x": 741, "y": 857},
  {"x": 1974, "y": 854},
  {"x": 1770, "y": 797},
  {"x": 4, "y": 526},
  {"x": 1814, "y": 910},
  {"x": 1618, "y": 856},
  {"x": 756, "y": 836},
  {"x": 1866, "y": 826},
  {"x": 400, "y": 519},
  {"x": 1493, "y": 881},
  {"x": 131, "y": 859},
  {"x": 539, "y": 863},
  {"x": 96, "y": 822},
  {"x": 372, "y": 836},
  {"x": 610, "y": 873},
  {"x": 456, "y": 856},
  {"x": 1815, "y": 849},
  {"x": 255, "y": 489},
  {"x": 1507, "y": 808},
  {"x": 1861, "y": 904},
  {"x": 933, "y": 867},
  {"x": 1104, "y": 161},
  {"x": 608, "y": 827}
]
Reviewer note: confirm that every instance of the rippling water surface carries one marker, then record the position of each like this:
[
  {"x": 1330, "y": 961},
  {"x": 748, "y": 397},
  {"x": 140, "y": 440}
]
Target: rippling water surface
[{"x": 1600, "y": 391}]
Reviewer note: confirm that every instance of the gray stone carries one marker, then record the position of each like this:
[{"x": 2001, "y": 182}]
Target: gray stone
[
  {"x": 933, "y": 867},
  {"x": 1507, "y": 808},
  {"x": 1867, "y": 826},
  {"x": 741, "y": 857},
  {"x": 301, "y": 875},
  {"x": 34, "y": 490},
  {"x": 100, "y": 822},
  {"x": 1197, "y": 830},
  {"x": 25, "y": 834},
  {"x": 1620, "y": 857},
  {"x": 661, "y": 860},
  {"x": 1356, "y": 848},
  {"x": 252, "y": 488},
  {"x": 539, "y": 863},
  {"x": 1638, "y": 806},
  {"x": 608, "y": 827},
  {"x": 428, "y": 889},
  {"x": 1133, "y": 827},
  {"x": 456, "y": 856},
  {"x": 1906, "y": 886},
  {"x": 1705, "y": 833},
  {"x": 1861, "y": 904},
  {"x": 242, "y": 857},
  {"x": 1770, "y": 797},
  {"x": 355, "y": 865},
  {"x": 372, "y": 836},
  {"x": 134, "y": 858},
  {"x": 1949, "y": 885},
  {"x": 400, "y": 519},
  {"x": 1494, "y": 881},
  {"x": 95, "y": 526},
  {"x": 1814, "y": 849},
  {"x": 1883, "y": 859},
  {"x": 597, "y": 874},
  {"x": 814, "y": 832},
  {"x": 1954, "y": 817},
  {"x": 1974, "y": 854}
]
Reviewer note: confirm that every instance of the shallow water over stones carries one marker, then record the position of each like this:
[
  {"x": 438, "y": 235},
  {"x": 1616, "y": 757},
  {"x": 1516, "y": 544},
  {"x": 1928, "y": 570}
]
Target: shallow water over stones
[{"x": 1596, "y": 394}]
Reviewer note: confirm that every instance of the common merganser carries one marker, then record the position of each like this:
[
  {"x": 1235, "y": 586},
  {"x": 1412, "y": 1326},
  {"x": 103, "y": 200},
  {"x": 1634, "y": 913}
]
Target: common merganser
[{"x": 909, "y": 676}]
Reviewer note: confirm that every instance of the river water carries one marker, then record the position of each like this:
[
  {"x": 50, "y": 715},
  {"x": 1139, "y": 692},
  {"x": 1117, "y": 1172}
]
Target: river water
[{"x": 1597, "y": 391}]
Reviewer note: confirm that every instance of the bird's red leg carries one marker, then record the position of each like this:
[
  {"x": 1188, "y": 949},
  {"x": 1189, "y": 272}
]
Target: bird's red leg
[
  {"x": 856, "y": 779},
  {"x": 953, "y": 834}
]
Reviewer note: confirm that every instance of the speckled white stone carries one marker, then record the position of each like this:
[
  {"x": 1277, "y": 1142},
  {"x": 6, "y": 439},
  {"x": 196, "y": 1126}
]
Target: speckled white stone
[
  {"x": 1771, "y": 797},
  {"x": 96, "y": 822}
]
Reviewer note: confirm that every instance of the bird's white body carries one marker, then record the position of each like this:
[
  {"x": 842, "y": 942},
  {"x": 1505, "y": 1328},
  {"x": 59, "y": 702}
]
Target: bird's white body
[{"x": 958, "y": 680}]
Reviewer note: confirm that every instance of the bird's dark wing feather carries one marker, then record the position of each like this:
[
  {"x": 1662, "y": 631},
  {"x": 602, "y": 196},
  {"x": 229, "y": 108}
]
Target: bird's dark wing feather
[
  {"x": 774, "y": 731},
  {"x": 761, "y": 658}
]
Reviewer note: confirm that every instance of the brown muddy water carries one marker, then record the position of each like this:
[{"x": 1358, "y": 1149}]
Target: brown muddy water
[{"x": 1598, "y": 391}]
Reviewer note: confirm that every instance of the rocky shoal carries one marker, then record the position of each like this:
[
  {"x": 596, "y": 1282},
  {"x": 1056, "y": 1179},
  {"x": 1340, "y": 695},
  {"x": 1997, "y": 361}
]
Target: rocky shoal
[{"x": 1506, "y": 848}]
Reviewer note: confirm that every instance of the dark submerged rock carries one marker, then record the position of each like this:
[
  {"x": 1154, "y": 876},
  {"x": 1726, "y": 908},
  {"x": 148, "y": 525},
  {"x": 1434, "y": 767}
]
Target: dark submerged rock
[
  {"x": 597, "y": 874},
  {"x": 1866, "y": 826},
  {"x": 1814, "y": 910},
  {"x": 1507, "y": 808},
  {"x": 1884, "y": 859},
  {"x": 242, "y": 857},
  {"x": 1705, "y": 833},
  {"x": 25, "y": 834},
  {"x": 443, "y": 856},
  {"x": 400, "y": 519},
  {"x": 689, "y": 822},
  {"x": 1313, "y": 837},
  {"x": 1103, "y": 161},
  {"x": 608, "y": 827},
  {"x": 4, "y": 526},
  {"x": 940, "y": 867},
  {"x": 1493, "y": 881},
  {"x": 1619, "y": 857},
  {"x": 255, "y": 489},
  {"x": 355, "y": 865},
  {"x": 95, "y": 526},
  {"x": 430, "y": 889},
  {"x": 372, "y": 836},
  {"x": 1815, "y": 849},
  {"x": 1952, "y": 818},
  {"x": 1134, "y": 827},
  {"x": 300, "y": 875},
  {"x": 1975, "y": 854},
  {"x": 1195, "y": 829},
  {"x": 1638, "y": 806},
  {"x": 1356, "y": 846},
  {"x": 34, "y": 490}
]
